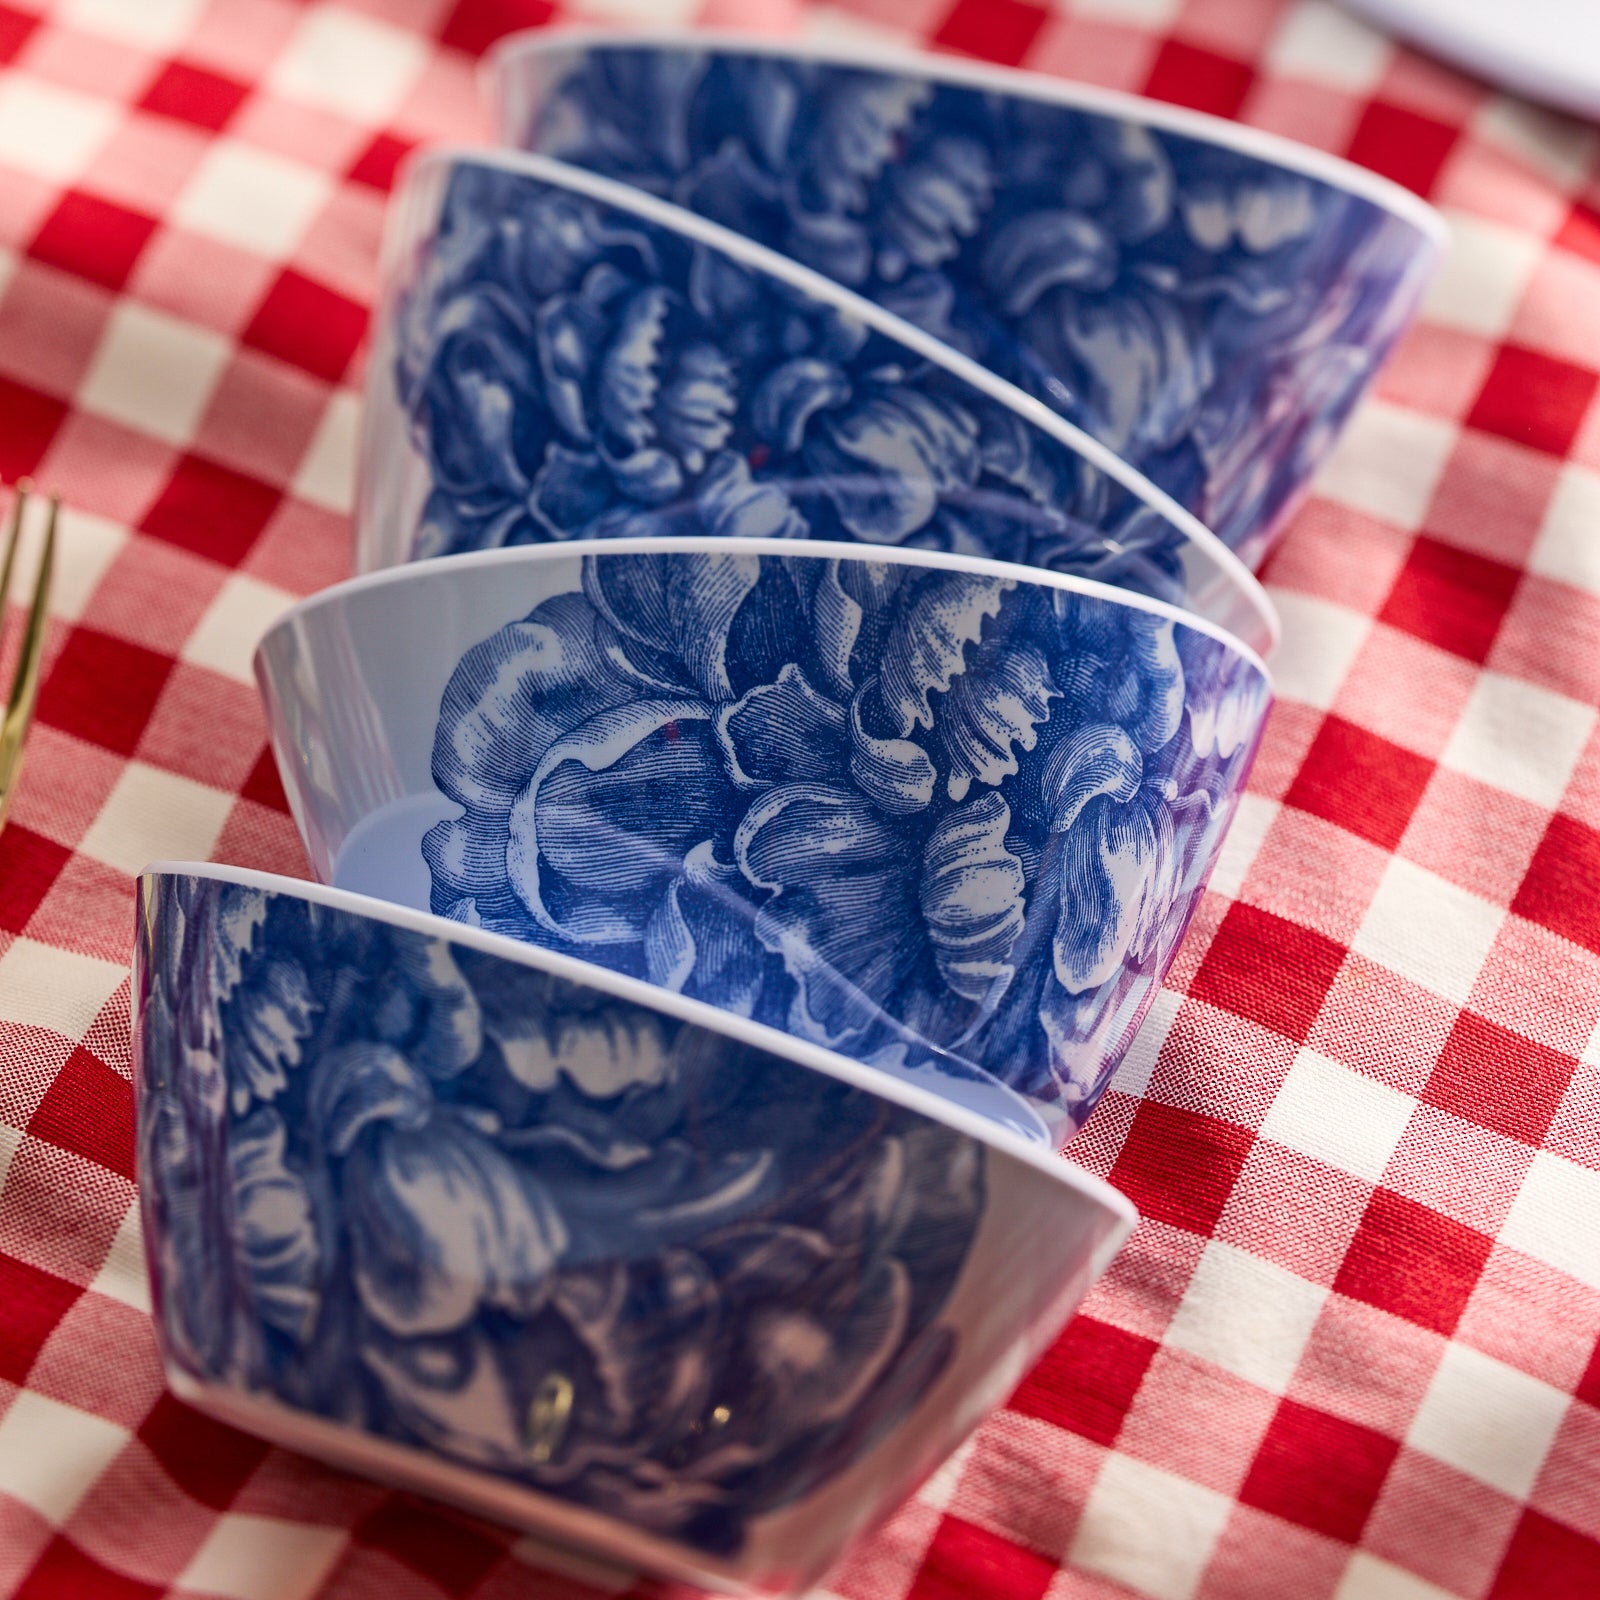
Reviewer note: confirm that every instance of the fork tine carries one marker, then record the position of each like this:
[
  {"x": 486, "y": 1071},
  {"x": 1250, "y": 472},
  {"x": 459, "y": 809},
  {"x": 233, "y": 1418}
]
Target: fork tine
[{"x": 18, "y": 716}]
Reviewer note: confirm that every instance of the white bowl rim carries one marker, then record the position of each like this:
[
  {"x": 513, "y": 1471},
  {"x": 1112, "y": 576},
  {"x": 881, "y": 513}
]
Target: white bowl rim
[
  {"x": 1333, "y": 170},
  {"x": 925, "y": 1102},
  {"x": 436, "y": 568},
  {"x": 773, "y": 264}
]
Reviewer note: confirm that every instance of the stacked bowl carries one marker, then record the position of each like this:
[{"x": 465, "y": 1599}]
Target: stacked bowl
[{"x": 804, "y": 661}]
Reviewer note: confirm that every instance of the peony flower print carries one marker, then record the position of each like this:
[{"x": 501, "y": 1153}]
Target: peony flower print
[
  {"x": 1161, "y": 291},
  {"x": 570, "y": 371},
  {"x": 540, "y": 1230},
  {"x": 876, "y": 804}
]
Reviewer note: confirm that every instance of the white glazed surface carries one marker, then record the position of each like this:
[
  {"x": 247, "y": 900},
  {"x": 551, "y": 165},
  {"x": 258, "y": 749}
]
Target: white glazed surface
[{"x": 1042, "y": 1233}]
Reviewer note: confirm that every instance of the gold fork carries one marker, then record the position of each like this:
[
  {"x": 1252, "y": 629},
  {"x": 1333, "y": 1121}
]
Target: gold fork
[{"x": 18, "y": 715}]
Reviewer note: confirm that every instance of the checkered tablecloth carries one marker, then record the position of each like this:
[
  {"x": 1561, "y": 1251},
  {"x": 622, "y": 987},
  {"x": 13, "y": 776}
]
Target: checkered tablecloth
[{"x": 1351, "y": 1353}]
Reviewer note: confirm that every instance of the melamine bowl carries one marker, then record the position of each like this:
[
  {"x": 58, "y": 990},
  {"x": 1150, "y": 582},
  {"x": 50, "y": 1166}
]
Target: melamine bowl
[
  {"x": 559, "y": 357},
  {"x": 574, "y": 1252},
  {"x": 902, "y": 805},
  {"x": 1207, "y": 300}
]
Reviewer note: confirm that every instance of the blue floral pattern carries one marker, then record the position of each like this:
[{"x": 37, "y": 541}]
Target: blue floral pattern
[
  {"x": 466, "y": 1205},
  {"x": 886, "y": 806},
  {"x": 569, "y": 370},
  {"x": 1209, "y": 315}
]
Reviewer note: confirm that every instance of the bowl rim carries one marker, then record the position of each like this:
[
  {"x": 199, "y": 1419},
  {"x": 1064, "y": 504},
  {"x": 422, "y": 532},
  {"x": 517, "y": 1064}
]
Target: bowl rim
[
  {"x": 1063, "y": 1171},
  {"x": 1204, "y": 126},
  {"x": 748, "y": 252},
  {"x": 438, "y": 569}
]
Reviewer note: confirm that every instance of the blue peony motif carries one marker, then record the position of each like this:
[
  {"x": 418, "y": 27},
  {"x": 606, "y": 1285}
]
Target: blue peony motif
[
  {"x": 570, "y": 371},
  {"x": 1208, "y": 315},
  {"x": 543, "y": 1231},
  {"x": 877, "y": 804}
]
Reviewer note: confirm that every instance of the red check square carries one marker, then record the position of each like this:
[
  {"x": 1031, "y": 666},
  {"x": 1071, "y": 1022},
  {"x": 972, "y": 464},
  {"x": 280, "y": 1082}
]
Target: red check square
[
  {"x": 1361, "y": 782},
  {"x": 1187, "y": 75},
  {"x": 995, "y": 30},
  {"x": 29, "y": 864},
  {"x": 35, "y": 1301},
  {"x": 1499, "y": 1079},
  {"x": 1411, "y": 1261},
  {"x": 965, "y": 1560},
  {"x": 474, "y": 25},
  {"x": 28, "y": 424},
  {"x": 308, "y": 325},
  {"x": 1319, "y": 1470},
  {"x": 378, "y": 162},
  {"x": 444, "y": 1548},
  {"x": 1451, "y": 598},
  {"x": 1562, "y": 889},
  {"x": 208, "y": 1460},
  {"x": 211, "y": 510},
  {"x": 1534, "y": 399},
  {"x": 1548, "y": 1561},
  {"x": 1268, "y": 969},
  {"x": 92, "y": 238},
  {"x": 88, "y": 1109},
  {"x": 194, "y": 94},
  {"x": 64, "y": 1569},
  {"x": 1402, "y": 144},
  {"x": 1179, "y": 1167},
  {"x": 1087, "y": 1379},
  {"x": 103, "y": 689},
  {"x": 1580, "y": 233}
]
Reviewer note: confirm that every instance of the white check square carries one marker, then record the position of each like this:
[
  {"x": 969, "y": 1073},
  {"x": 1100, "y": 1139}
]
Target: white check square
[
  {"x": 262, "y": 1558},
  {"x": 1321, "y": 641},
  {"x": 351, "y": 64},
  {"x": 1516, "y": 736},
  {"x": 1372, "y": 1578},
  {"x": 1246, "y": 1315},
  {"x": 1327, "y": 45},
  {"x": 225, "y": 638},
  {"x": 47, "y": 987},
  {"x": 48, "y": 131},
  {"x": 1568, "y": 544},
  {"x": 154, "y": 373},
  {"x": 1428, "y": 930},
  {"x": 251, "y": 199},
  {"x": 1488, "y": 1420},
  {"x": 51, "y": 1454},
  {"x": 153, "y": 815},
  {"x": 1388, "y": 463},
  {"x": 1556, "y": 1217},
  {"x": 1338, "y": 1117},
  {"x": 159, "y": 26},
  {"x": 1482, "y": 278},
  {"x": 327, "y": 475},
  {"x": 1148, "y": 1529}
]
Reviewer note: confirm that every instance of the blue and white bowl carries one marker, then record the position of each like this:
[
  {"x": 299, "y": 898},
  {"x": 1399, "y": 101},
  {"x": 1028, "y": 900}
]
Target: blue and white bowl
[
  {"x": 577, "y": 1253},
  {"x": 560, "y": 357},
  {"x": 896, "y": 803},
  {"x": 1207, "y": 300}
]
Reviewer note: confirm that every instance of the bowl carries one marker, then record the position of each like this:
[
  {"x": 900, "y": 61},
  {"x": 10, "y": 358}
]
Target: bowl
[
  {"x": 570, "y": 1251},
  {"x": 559, "y": 357},
  {"x": 1207, "y": 300},
  {"x": 893, "y": 802}
]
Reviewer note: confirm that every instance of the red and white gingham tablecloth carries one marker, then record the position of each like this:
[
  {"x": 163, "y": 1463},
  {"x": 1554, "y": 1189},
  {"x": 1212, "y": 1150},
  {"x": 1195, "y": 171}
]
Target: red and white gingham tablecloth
[{"x": 1351, "y": 1353}]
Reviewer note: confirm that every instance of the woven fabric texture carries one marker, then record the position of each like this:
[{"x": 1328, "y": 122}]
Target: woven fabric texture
[{"x": 1351, "y": 1353}]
